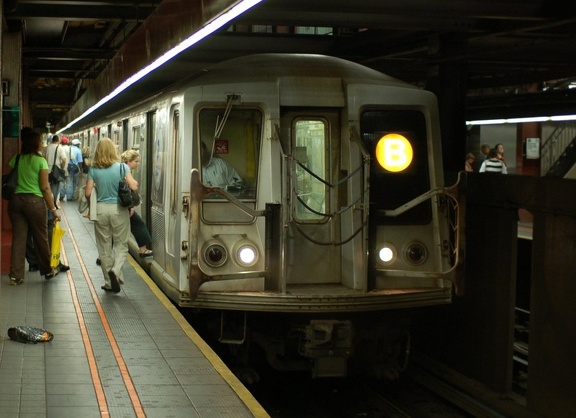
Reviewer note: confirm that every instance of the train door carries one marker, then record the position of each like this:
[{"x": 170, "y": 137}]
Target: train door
[
  {"x": 139, "y": 143},
  {"x": 150, "y": 129},
  {"x": 173, "y": 182},
  {"x": 312, "y": 139}
]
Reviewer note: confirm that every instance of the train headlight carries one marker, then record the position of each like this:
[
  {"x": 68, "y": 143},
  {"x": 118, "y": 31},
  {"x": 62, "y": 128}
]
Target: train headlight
[
  {"x": 416, "y": 253},
  {"x": 386, "y": 254},
  {"x": 246, "y": 253},
  {"x": 215, "y": 255}
]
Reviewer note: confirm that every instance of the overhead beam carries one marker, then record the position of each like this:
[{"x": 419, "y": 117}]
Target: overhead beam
[
  {"x": 80, "y": 11},
  {"x": 67, "y": 53}
]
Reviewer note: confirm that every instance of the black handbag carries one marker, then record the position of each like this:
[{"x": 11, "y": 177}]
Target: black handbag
[
  {"x": 10, "y": 181},
  {"x": 126, "y": 197},
  {"x": 72, "y": 167},
  {"x": 57, "y": 174}
]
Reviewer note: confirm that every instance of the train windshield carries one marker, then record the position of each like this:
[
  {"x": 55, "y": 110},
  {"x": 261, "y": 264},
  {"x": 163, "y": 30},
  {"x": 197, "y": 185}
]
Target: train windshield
[
  {"x": 230, "y": 156},
  {"x": 397, "y": 143}
]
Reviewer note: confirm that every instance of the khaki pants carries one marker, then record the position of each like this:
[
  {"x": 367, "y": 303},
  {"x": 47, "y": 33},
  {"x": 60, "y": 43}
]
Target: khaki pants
[{"x": 112, "y": 230}]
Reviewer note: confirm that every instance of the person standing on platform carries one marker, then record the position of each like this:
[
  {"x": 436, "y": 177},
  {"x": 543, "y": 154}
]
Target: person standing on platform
[
  {"x": 493, "y": 164},
  {"x": 485, "y": 149},
  {"x": 74, "y": 169},
  {"x": 65, "y": 145},
  {"x": 31, "y": 252},
  {"x": 500, "y": 153},
  {"x": 482, "y": 156},
  {"x": 27, "y": 208},
  {"x": 113, "y": 223},
  {"x": 469, "y": 162},
  {"x": 86, "y": 164}
]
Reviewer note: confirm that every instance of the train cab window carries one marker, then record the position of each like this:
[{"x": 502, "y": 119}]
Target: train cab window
[
  {"x": 397, "y": 143},
  {"x": 310, "y": 154},
  {"x": 230, "y": 146}
]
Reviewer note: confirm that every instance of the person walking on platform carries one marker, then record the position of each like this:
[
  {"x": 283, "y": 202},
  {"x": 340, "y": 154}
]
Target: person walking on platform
[
  {"x": 137, "y": 225},
  {"x": 27, "y": 208},
  {"x": 55, "y": 154},
  {"x": 113, "y": 221}
]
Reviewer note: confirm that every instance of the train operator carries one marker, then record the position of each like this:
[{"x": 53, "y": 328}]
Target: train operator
[{"x": 216, "y": 172}]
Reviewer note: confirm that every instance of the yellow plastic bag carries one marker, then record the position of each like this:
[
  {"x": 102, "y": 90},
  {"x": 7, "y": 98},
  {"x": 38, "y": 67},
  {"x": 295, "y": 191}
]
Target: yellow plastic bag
[{"x": 57, "y": 234}]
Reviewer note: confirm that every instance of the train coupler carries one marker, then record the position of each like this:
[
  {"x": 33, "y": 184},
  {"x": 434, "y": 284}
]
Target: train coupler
[{"x": 329, "y": 344}]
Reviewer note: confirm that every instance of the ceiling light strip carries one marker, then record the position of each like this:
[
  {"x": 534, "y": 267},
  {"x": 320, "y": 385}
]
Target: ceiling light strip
[
  {"x": 559, "y": 118},
  {"x": 212, "y": 26}
]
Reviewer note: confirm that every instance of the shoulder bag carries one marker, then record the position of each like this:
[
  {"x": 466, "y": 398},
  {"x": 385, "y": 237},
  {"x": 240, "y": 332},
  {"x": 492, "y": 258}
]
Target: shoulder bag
[
  {"x": 57, "y": 174},
  {"x": 10, "y": 181},
  {"x": 72, "y": 166},
  {"x": 127, "y": 198}
]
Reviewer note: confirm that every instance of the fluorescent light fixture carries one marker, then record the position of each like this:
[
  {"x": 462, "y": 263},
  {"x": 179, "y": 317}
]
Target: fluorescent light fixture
[
  {"x": 211, "y": 27},
  {"x": 521, "y": 120}
]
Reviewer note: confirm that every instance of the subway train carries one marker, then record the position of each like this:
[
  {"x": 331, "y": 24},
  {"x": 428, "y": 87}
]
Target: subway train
[{"x": 324, "y": 214}]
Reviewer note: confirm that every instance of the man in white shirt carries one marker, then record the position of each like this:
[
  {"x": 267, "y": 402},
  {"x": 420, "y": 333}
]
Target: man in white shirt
[
  {"x": 75, "y": 161},
  {"x": 216, "y": 172},
  {"x": 54, "y": 152}
]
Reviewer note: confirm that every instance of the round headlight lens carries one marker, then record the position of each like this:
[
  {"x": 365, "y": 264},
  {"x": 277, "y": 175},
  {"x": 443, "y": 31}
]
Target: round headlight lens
[
  {"x": 215, "y": 255},
  {"x": 386, "y": 254},
  {"x": 247, "y": 255},
  {"x": 416, "y": 253}
]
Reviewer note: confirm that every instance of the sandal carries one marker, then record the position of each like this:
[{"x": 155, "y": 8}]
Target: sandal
[
  {"x": 15, "y": 282},
  {"x": 53, "y": 273},
  {"x": 147, "y": 253}
]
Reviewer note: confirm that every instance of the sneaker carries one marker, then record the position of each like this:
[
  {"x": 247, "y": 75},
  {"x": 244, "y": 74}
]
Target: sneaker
[
  {"x": 53, "y": 273},
  {"x": 33, "y": 267},
  {"x": 15, "y": 282},
  {"x": 63, "y": 267}
]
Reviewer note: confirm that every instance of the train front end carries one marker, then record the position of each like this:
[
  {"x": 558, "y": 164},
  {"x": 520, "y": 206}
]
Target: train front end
[{"x": 337, "y": 207}]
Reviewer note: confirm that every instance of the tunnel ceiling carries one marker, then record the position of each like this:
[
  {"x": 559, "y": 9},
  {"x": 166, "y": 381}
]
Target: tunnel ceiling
[{"x": 73, "y": 47}]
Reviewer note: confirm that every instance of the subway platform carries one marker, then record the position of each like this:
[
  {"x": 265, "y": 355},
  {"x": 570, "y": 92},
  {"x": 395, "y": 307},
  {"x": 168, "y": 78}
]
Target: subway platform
[{"x": 129, "y": 354}]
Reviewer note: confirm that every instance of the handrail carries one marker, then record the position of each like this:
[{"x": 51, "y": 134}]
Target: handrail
[
  {"x": 453, "y": 195},
  {"x": 555, "y": 145}
]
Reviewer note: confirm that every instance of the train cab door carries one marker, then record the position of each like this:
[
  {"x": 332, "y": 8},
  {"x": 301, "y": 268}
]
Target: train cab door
[{"x": 311, "y": 139}]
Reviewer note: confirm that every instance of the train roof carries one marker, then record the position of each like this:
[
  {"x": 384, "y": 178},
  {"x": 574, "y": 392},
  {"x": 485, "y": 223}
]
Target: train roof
[{"x": 269, "y": 67}]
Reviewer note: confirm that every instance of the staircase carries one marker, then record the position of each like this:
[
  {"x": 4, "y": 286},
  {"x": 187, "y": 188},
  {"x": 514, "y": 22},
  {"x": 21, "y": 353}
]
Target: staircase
[{"x": 558, "y": 155}]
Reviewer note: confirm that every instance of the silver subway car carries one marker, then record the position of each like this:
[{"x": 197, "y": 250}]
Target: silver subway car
[{"x": 296, "y": 200}]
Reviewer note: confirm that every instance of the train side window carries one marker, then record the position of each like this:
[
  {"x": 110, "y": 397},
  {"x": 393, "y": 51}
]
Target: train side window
[
  {"x": 310, "y": 154},
  {"x": 236, "y": 147},
  {"x": 137, "y": 136}
]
